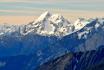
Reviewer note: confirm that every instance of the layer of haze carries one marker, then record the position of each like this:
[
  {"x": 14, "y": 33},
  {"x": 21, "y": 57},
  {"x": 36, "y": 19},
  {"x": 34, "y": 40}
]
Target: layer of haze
[{"x": 25, "y": 11}]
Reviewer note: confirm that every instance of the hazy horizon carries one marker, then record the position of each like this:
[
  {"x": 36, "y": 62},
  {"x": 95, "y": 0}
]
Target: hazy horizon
[{"x": 24, "y": 11}]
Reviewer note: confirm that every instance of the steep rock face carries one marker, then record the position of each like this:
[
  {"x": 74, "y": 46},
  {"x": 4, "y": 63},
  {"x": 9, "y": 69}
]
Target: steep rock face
[
  {"x": 89, "y": 60},
  {"x": 57, "y": 64}
]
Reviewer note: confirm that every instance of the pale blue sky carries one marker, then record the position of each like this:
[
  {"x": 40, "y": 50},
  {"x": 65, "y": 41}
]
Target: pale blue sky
[{"x": 35, "y": 7}]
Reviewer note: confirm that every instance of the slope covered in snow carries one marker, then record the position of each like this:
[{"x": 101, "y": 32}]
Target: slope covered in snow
[{"x": 50, "y": 24}]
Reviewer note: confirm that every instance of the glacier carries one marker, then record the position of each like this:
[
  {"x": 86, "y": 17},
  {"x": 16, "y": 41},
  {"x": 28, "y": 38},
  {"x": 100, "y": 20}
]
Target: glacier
[{"x": 50, "y": 37}]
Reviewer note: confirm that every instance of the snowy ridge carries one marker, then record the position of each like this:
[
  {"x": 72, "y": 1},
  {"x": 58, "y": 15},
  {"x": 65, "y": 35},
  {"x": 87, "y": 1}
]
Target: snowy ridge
[
  {"x": 54, "y": 24},
  {"x": 94, "y": 26},
  {"x": 49, "y": 24},
  {"x": 8, "y": 29}
]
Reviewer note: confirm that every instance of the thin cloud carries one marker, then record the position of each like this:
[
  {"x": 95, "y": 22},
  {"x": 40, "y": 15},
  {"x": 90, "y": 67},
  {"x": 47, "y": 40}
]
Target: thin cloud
[{"x": 81, "y": 1}]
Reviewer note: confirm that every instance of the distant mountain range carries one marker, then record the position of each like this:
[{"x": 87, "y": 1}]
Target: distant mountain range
[{"x": 48, "y": 39}]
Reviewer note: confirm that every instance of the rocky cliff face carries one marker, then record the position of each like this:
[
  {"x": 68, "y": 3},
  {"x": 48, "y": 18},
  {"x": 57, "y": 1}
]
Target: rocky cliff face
[{"x": 89, "y": 60}]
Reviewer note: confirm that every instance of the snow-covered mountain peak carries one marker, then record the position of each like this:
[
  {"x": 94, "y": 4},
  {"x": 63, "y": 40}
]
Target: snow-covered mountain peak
[
  {"x": 56, "y": 17},
  {"x": 52, "y": 24},
  {"x": 43, "y": 16},
  {"x": 80, "y": 23},
  {"x": 55, "y": 24}
]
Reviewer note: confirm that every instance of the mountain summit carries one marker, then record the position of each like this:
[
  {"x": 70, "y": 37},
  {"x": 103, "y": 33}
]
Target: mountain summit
[{"x": 51, "y": 24}]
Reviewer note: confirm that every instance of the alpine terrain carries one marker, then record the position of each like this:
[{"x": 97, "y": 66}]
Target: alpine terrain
[{"x": 51, "y": 42}]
